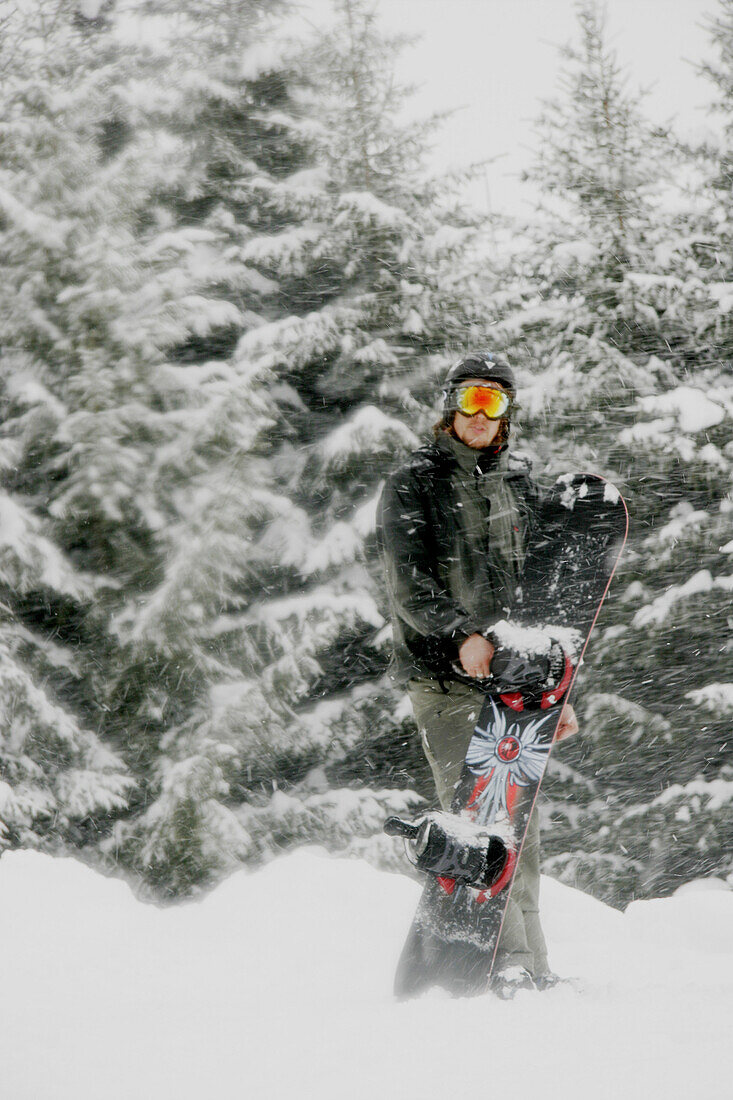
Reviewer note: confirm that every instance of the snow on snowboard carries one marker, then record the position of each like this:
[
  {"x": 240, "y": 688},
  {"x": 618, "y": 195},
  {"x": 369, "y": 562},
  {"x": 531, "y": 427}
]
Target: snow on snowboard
[{"x": 470, "y": 854}]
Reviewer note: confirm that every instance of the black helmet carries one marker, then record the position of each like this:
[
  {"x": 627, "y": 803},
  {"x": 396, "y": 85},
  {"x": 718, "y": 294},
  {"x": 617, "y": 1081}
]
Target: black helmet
[{"x": 478, "y": 364}]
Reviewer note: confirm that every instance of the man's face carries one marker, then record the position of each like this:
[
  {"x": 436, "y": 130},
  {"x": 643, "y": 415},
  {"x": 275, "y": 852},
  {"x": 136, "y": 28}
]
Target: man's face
[{"x": 477, "y": 431}]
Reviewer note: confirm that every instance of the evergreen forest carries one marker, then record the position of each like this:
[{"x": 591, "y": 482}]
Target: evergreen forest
[{"x": 231, "y": 289}]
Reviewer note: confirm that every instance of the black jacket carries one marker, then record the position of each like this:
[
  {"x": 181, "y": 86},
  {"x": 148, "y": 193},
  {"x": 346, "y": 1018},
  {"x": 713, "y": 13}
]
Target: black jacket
[{"x": 417, "y": 527}]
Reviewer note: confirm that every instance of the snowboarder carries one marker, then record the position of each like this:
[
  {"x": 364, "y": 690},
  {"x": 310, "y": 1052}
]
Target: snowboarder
[{"x": 453, "y": 524}]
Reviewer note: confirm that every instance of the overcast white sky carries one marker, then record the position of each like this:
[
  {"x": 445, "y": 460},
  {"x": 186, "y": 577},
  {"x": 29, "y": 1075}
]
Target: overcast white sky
[{"x": 495, "y": 60}]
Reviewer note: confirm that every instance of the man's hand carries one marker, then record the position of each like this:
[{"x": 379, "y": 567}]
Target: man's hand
[
  {"x": 475, "y": 656},
  {"x": 568, "y": 726}
]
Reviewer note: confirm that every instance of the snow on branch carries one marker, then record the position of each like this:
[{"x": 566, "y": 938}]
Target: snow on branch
[
  {"x": 715, "y": 793},
  {"x": 658, "y": 433},
  {"x": 376, "y": 353},
  {"x": 657, "y": 611},
  {"x": 85, "y": 777},
  {"x": 722, "y": 295},
  {"x": 559, "y": 377},
  {"x": 83, "y": 792},
  {"x": 27, "y": 711},
  {"x": 189, "y": 812},
  {"x": 685, "y": 523},
  {"x": 43, "y": 230},
  {"x": 693, "y": 410},
  {"x": 447, "y": 240},
  {"x": 323, "y": 601},
  {"x": 263, "y": 57},
  {"x": 336, "y": 818},
  {"x": 344, "y": 541},
  {"x": 206, "y": 314},
  {"x": 287, "y": 537},
  {"x": 603, "y": 705},
  {"x": 368, "y": 431},
  {"x": 288, "y": 253},
  {"x": 341, "y": 545},
  {"x": 318, "y": 617},
  {"x": 364, "y": 208},
  {"x": 364, "y": 520},
  {"x": 179, "y": 242},
  {"x": 29, "y": 560},
  {"x": 291, "y": 342},
  {"x": 683, "y": 516},
  {"x": 717, "y": 698}
]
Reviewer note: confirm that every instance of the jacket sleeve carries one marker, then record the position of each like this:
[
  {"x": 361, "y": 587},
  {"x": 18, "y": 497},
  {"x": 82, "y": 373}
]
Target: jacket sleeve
[{"x": 416, "y": 594}]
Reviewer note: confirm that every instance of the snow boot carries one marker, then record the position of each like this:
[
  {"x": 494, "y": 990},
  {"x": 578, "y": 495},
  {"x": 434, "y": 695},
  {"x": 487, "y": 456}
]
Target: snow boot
[
  {"x": 508, "y": 981},
  {"x": 552, "y": 981}
]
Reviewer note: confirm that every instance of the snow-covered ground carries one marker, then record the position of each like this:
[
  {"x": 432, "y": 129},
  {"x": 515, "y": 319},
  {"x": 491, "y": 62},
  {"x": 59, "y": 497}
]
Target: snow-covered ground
[{"x": 277, "y": 985}]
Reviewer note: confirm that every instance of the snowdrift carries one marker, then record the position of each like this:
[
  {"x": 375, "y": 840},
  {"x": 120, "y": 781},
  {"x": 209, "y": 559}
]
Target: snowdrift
[{"x": 278, "y": 985}]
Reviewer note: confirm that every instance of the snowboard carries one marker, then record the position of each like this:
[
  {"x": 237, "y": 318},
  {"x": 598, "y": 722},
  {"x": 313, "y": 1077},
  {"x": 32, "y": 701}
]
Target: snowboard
[{"x": 571, "y": 556}]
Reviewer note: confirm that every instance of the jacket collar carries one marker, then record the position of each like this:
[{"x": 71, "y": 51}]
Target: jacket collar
[{"x": 480, "y": 462}]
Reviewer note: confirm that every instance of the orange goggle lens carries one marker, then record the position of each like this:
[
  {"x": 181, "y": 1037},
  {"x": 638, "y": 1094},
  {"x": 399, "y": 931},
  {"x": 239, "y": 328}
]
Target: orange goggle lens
[{"x": 483, "y": 399}]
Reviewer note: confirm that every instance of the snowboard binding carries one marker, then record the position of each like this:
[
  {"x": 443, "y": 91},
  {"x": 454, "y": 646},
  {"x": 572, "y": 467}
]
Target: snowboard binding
[
  {"x": 536, "y": 679},
  {"x": 455, "y": 850},
  {"x": 522, "y": 677}
]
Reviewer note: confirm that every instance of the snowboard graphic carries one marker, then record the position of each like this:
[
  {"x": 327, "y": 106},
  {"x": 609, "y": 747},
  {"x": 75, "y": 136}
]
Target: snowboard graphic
[{"x": 571, "y": 558}]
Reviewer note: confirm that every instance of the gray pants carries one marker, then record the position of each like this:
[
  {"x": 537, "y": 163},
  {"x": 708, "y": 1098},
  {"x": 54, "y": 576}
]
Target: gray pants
[{"x": 446, "y": 722}]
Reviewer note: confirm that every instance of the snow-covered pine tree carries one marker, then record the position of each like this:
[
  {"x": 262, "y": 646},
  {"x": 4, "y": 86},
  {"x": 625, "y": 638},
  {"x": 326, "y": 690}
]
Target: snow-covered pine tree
[
  {"x": 58, "y": 779},
  {"x": 185, "y": 689},
  {"x": 685, "y": 589},
  {"x": 105, "y": 437},
  {"x": 347, "y": 260},
  {"x": 619, "y": 380},
  {"x": 394, "y": 287},
  {"x": 681, "y": 601}
]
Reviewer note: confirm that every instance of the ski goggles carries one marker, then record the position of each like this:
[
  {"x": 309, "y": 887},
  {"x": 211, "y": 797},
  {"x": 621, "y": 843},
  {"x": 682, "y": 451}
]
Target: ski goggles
[{"x": 470, "y": 400}]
